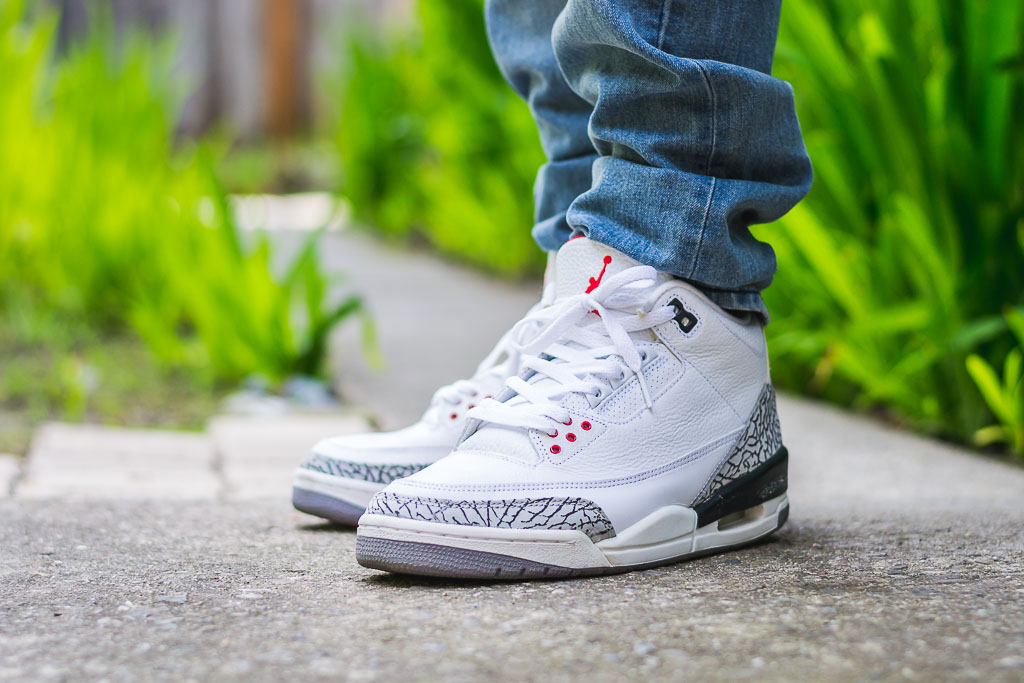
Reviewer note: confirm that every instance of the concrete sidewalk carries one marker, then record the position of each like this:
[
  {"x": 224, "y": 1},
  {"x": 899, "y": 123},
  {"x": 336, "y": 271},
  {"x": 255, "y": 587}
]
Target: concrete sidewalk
[
  {"x": 903, "y": 560},
  {"x": 169, "y": 556}
]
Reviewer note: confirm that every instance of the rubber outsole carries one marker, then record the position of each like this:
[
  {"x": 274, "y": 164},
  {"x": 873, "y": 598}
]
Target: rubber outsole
[
  {"x": 327, "y": 507},
  {"x": 428, "y": 559}
]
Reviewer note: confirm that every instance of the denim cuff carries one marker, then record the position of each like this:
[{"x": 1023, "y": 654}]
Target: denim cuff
[{"x": 737, "y": 301}]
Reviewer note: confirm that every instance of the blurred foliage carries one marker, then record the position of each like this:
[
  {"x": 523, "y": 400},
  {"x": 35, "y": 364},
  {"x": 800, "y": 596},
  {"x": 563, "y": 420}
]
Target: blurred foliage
[
  {"x": 899, "y": 265},
  {"x": 77, "y": 374},
  {"x": 279, "y": 167},
  {"x": 910, "y": 246},
  {"x": 107, "y": 229},
  {"x": 1004, "y": 395},
  {"x": 434, "y": 144}
]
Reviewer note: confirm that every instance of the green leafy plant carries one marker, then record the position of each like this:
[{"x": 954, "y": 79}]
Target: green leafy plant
[
  {"x": 898, "y": 263},
  {"x": 1005, "y": 395},
  {"x": 107, "y": 225},
  {"x": 434, "y": 143}
]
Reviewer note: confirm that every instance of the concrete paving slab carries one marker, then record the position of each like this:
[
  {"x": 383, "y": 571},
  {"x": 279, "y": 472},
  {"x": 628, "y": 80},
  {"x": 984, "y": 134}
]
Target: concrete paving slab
[
  {"x": 96, "y": 462},
  {"x": 10, "y": 468},
  {"x": 258, "y": 454}
]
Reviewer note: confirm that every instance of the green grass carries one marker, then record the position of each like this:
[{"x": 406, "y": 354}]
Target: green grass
[
  {"x": 1003, "y": 392},
  {"x": 902, "y": 260},
  {"x": 113, "y": 236},
  {"x": 78, "y": 376}
]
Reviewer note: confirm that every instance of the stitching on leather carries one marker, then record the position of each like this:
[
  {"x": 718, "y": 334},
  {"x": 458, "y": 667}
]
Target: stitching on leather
[
  {"x": 605, "y": 483},
  {"x": 627, "y": 386},
  {"x": 477, "y": 453},
  {"x": 639, "y": 414},
  {"x": 765, "y": 408},
  {"x": 593, "y": 439},
  {"x": 715, "y": 389}
]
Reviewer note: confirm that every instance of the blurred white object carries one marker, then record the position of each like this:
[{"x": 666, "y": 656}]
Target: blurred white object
[{"x": 304, "y": 211}]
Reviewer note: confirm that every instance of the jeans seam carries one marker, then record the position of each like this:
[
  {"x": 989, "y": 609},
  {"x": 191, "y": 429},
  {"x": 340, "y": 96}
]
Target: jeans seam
[
  {"x": 707, "y": 164},
  {"x": 703, "y": 227},
  {"x": 665, "y": 12}
]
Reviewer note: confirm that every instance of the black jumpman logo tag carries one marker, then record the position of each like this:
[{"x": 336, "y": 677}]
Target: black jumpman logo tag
[{"x": 686, "y": 320}]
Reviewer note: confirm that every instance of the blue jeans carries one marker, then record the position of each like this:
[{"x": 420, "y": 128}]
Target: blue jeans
[{"x": 665, "y": 134}]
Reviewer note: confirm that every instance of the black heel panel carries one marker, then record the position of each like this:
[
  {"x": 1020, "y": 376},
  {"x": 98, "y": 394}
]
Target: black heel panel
[{"x": 768, "y": 480}]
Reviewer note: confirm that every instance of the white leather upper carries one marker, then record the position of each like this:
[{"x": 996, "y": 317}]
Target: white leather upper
[
  {"x": 704, "y": 385},
  {"x": 417, "y": 444}
]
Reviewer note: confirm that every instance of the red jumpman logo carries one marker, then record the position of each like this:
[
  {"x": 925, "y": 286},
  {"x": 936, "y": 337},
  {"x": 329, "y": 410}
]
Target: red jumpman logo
[{"x": 594, "y": 283}]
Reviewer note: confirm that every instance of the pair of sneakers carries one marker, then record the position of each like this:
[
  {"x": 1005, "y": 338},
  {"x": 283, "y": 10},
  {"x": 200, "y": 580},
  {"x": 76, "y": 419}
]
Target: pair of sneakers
[{"x": 626, "y": 422}]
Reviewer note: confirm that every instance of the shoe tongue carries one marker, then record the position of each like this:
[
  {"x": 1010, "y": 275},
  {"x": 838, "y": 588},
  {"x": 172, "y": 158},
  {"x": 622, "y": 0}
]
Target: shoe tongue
[{"x": 582, "y": 264}]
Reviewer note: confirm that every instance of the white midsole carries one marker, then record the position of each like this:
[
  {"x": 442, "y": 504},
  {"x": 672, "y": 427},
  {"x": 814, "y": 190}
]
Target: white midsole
[
  {"x": 667, "y": 533},
  {"x": 353, "y": 491}
]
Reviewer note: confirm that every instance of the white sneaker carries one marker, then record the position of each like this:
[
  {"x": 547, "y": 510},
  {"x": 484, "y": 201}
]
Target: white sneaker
[
  {"x": 640, "y": 431},
  {"x": 340, "y": 475}
]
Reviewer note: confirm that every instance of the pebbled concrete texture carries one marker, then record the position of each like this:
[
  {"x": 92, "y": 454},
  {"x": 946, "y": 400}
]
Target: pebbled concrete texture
[
  {"x": 166, "y": 591},
  {"x": 886, "y": 571}
]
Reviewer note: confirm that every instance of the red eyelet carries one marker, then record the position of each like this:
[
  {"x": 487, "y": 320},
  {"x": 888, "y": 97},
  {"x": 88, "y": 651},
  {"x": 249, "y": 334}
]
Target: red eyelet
[
  {"x": 554, "y": 435},
  {"x": 454, "y": 416},
  {"x": 568, "y": 423},
  {"x": 570, "y": 437},
  {"x": 556, "y": 449},
  {"x": 585, "y": 425},
  {"x": 471, "y": 406}
]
